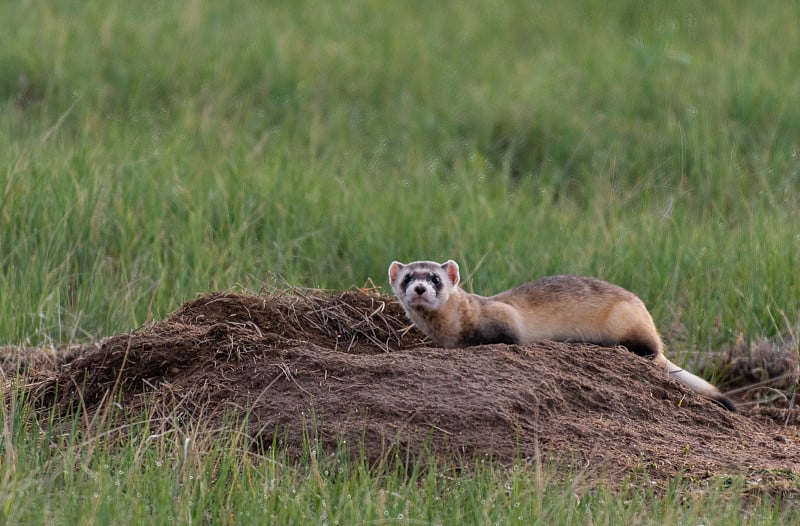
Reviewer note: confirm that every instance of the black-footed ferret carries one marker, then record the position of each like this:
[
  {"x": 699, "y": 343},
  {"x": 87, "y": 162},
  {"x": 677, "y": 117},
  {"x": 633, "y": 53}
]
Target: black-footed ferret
[{"x": 559, "y": 308}]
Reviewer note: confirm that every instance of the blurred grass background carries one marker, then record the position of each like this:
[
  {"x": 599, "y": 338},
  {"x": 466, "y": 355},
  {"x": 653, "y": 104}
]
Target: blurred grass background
[{"x": 153, "y": 152}]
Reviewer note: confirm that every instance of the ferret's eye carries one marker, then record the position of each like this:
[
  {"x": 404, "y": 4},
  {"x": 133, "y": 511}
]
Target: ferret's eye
[
  {"x": 406, "y": 280},
  {"x": 435, "y": 280}
]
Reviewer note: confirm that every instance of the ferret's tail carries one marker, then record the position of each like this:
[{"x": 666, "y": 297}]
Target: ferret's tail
[{"x": 695, "y": 383}]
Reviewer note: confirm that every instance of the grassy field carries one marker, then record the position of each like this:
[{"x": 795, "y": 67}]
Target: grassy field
[{"x": 148, "y": 154}]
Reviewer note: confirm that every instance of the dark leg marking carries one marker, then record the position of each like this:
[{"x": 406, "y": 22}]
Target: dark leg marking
[
  {"x": 640, "y": 348},
  {"x": 493, "y": 333}
]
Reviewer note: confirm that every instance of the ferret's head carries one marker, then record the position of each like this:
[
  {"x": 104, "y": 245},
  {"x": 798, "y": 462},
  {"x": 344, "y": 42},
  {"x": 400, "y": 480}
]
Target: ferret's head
[{"x": 423, "y": 285}]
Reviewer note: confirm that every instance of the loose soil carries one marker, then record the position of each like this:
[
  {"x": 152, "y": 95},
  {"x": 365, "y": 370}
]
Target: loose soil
[{"x": 347, "y": 372}]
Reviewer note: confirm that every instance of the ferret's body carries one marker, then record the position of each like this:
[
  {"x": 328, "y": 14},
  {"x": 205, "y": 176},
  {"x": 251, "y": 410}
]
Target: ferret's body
[{"x": 559, "y": 308}]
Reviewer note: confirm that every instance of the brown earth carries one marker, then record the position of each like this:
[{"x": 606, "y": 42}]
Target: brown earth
[{"x": 346, "y": 369}]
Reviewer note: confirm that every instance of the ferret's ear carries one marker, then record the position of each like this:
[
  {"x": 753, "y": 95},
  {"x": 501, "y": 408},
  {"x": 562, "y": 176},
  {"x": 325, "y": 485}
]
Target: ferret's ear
[
  {"x": 394, "y": 269},
  {"x": 451, "y": 267}
]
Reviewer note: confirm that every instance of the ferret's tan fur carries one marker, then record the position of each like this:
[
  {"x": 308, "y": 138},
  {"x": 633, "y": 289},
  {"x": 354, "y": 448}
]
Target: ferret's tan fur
[{"x": 559, "y": 308}]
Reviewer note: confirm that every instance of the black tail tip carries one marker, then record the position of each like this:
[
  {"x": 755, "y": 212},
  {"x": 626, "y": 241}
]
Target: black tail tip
[{"x": 725, "y": 402}]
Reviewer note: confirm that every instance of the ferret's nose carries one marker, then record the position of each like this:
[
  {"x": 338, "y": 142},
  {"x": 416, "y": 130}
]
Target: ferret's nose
[{"x": 419, "y": 289}]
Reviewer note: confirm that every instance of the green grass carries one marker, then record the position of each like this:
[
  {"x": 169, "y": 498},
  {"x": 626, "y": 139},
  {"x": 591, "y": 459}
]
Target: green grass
[{"x": 148, "y": 154}]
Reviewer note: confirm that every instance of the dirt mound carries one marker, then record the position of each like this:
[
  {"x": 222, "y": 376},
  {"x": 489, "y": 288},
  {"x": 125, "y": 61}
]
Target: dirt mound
[{"x": 347, "y": 369}]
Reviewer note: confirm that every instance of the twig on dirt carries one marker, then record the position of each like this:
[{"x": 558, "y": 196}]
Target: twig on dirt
[
  {"x": 286, "y": 372},
  {"x": 789, "y": 409},
  {"x": 445, "y": 431},
  {"x": 406, "y": 330},
  {"x": 353, "y": 339},
  {"x": 150, "y": 385},
  {"x": 778, "y": 394},
  {"x": 763, "y": 383},
  {"x": 285, "y": 368}
]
